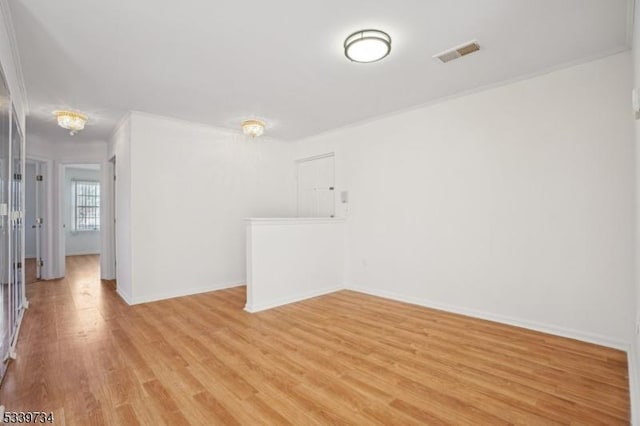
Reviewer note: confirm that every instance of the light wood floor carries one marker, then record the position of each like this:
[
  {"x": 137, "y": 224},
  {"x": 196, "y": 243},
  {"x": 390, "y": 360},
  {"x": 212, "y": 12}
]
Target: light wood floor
[
  {"x": 344, "y": 358},
  {"x": 30, "y": 271}
]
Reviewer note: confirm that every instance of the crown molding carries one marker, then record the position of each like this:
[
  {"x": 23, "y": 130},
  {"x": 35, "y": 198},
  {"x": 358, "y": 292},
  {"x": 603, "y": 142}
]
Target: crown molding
[{"x": 13, "y": 44}]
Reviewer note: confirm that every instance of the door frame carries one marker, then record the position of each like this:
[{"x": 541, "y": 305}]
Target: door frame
[
  {"x": 306, "y": 160},
  {"x": 60, "y": 197},
  {"x": 46, "y": 235}
]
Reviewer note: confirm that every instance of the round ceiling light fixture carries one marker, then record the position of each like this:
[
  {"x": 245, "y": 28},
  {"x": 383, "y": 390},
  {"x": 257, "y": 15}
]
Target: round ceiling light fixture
[
  {"x": 71, "y": 120},
  {"x": 253, "y": 127},
  {"x": 367, "y": 46}
]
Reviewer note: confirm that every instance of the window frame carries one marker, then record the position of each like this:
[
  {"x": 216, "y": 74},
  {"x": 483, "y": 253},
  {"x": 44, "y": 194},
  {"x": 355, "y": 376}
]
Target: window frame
[{"x": 76, "y": 206}]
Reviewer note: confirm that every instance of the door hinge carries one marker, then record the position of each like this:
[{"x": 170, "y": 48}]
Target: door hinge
[
  {"x": 39, "y": 178},
  {"x": 39, "y": 221},
  {"x": 41, "y": 263},
  {"x": 17, "y": 265},
  {"x": 17, "y": 176}
]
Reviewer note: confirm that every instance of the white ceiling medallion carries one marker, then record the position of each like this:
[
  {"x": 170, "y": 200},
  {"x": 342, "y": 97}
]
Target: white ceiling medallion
[
  {"x": 253, "y": 127},
  {"x": 367, "y": 46},
  {"x": 71, "y": 120}
]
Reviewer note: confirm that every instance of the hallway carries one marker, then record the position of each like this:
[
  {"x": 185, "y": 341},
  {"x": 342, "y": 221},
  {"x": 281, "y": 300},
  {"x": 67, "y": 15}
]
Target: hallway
[{"x": 62, "y": 334}]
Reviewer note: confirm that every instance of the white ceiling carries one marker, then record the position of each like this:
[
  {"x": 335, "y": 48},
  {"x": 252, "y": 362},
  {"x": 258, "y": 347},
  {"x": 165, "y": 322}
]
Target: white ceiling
[{"x": 219, "y": 62}]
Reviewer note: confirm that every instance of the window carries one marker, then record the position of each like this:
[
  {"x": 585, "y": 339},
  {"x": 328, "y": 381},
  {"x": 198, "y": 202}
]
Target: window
[{"x": 86, "y": 206}]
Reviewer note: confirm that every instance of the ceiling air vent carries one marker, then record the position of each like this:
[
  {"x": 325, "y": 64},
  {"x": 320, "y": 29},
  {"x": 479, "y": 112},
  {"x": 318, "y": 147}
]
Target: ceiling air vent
[{"x": 458, "y": 51}]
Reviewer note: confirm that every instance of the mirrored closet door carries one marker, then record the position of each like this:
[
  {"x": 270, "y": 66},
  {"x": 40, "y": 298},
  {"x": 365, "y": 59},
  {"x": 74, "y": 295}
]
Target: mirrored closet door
[{"x": 12, "y": 291}]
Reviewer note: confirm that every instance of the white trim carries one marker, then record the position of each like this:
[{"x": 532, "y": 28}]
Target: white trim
[
  {"x": 634, "y": 384},
  {"x": 107, "y": 231},
  {"x": 60, "y": 197},
  {"x": 116, "y": 128},
  {"x": 83, "y": 253},
  {"x": 123, "y": 295},
  {"x": 46, "y": 243},
  {"x": 179, "y": 292},
  {"x": 253, "y": 308},
  {"x": 316, "y": 157},
  {"x": 503, "y": 319},
  {"x": 249, "y": 263},
  {"x": 260, "y": 221},
  {"x": 14, "y": 342}
]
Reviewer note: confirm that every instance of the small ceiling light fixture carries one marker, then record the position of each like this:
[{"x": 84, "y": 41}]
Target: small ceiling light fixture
[
  {"x": 253, "y": 127},
  {"x": 367, "y": 46},
  {"x": 71, "y": 120}
]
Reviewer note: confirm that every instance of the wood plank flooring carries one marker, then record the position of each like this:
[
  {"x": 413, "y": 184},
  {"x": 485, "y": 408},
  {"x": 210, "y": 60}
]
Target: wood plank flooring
[
  {"x": 30, "y": 271},
  {"x": 345, "y": 358}
]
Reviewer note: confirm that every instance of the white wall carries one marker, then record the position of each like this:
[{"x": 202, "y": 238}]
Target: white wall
[
  {"x": 78, "y": 243},
  {"x": 516, "y": 203},
  {"x": 191, "y": 188},
  {"x": 293, "y": 259},
  {"x": 635, "y": 359},
  {"x": 120, "y": 148}
]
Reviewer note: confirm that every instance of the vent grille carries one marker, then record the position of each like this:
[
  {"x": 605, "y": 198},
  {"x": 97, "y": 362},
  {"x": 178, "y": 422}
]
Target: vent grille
[{"x": 458, "y": 51}]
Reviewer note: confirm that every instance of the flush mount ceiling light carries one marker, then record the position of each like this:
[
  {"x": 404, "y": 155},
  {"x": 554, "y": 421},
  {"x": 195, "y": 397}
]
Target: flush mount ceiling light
[
  {"x": 71, "y": 120},
  {"x": 253, "y": 127},
  {"x": 367, "y": 46}
]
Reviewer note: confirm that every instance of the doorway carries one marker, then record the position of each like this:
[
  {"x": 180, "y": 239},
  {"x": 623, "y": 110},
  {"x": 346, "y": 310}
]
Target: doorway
[
  {"x": 316, "y": 186},
  {"x": 80, "y": 201},
  {"x": 34, "y": 220}
]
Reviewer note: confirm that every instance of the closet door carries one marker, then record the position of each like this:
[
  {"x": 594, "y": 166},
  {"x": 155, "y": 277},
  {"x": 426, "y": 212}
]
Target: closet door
[
  {"x": 7, "y": 312},
  {"x": 316, "y": 186},
  {"x": 17, "y": 214}
]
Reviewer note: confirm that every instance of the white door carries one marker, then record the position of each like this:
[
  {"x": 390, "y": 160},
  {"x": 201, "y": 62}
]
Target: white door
[
  {"x": 316, "y": 180},
  {"x": 39, "y": 205}
]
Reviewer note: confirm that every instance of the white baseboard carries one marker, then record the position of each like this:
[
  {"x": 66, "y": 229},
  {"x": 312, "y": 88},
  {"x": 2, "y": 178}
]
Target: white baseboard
[
  {"x": 634, "y": 384},
  {"x": 14, "y": 342},
  {"x": 180, "y": 292},
  {"x": 253, "y": 307},
  {"x": 124, "y": 296},
  {"x": 518, "y": 322},
  {"x": 82, "y": 253}
]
